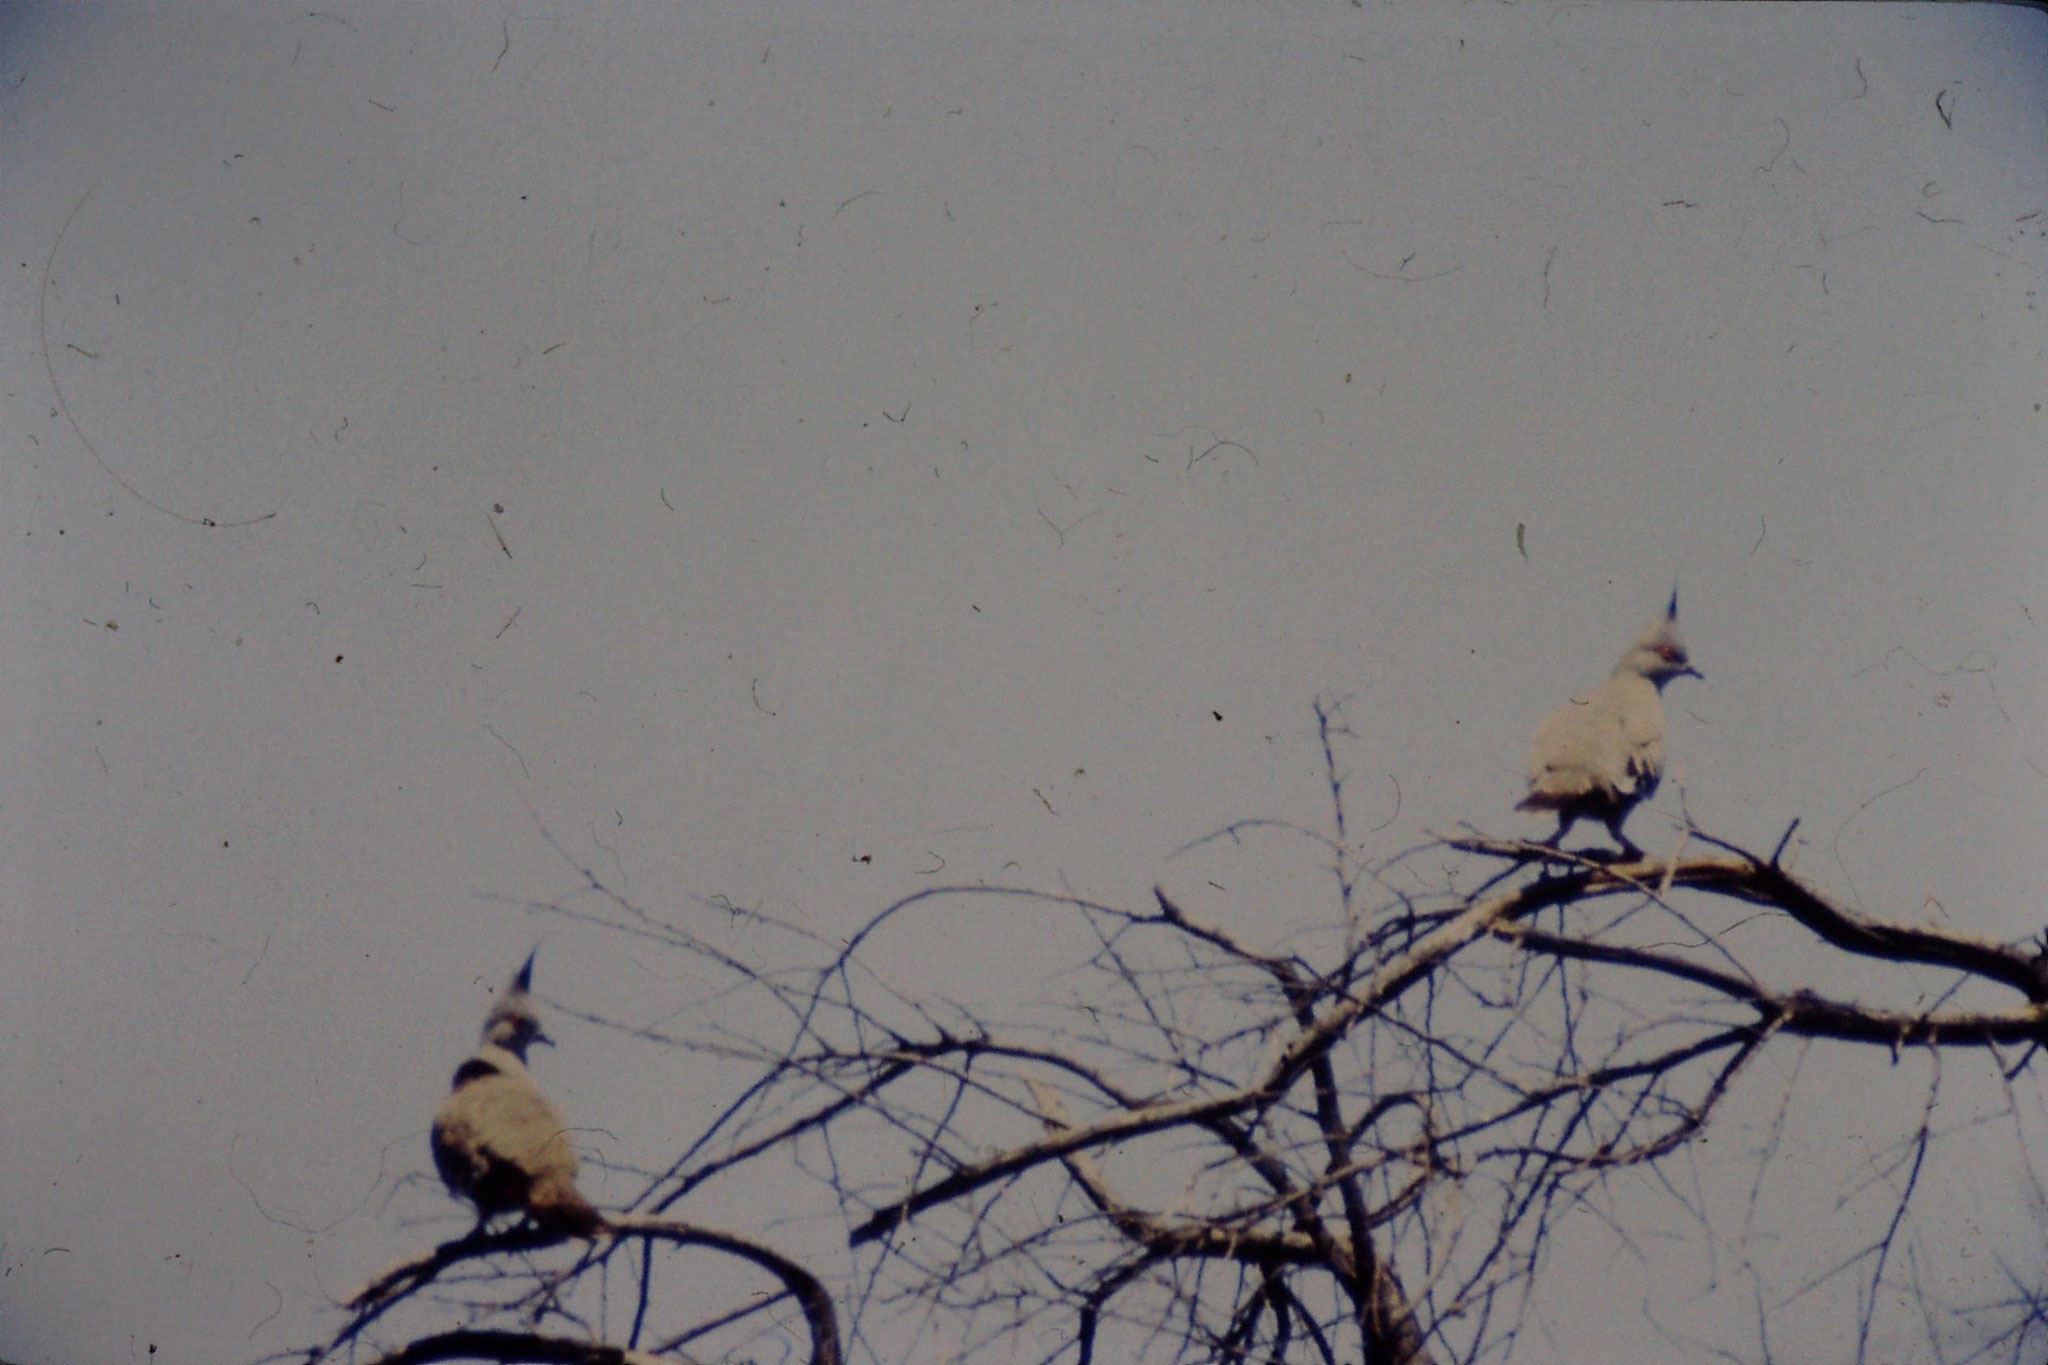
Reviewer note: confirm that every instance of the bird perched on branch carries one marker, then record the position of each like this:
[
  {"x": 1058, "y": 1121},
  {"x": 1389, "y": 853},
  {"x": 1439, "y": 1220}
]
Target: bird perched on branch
[
  {"x": 1598, "y": 755},
  {"x": 498, "y": 1141}
]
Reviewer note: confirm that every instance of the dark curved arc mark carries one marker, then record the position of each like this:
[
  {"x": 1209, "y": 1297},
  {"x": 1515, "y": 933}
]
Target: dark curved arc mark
[{"x": 64, "y": 406}]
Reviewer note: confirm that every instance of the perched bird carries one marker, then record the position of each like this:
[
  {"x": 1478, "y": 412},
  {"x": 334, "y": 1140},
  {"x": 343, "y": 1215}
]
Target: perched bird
[
  {"x": 1598, "y": 755},
  {"x": 498, "y": 1141}
]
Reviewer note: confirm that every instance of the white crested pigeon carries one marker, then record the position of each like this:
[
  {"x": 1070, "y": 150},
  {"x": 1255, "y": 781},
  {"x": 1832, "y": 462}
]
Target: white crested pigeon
[
  {"x": 1598, "y": 755},
  {"x": 498, "y": 1141}
]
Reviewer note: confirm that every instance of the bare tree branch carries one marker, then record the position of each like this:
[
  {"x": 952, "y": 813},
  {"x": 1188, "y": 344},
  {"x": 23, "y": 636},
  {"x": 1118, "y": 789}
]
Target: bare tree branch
[{"x": 1363, "y": 1144}]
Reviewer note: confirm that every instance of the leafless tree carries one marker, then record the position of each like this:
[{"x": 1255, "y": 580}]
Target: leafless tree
[{"x": 1364, "y": 1146}]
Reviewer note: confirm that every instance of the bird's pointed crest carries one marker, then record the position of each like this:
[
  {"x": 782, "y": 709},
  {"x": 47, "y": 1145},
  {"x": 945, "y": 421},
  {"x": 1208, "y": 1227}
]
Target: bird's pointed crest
[
  {"x": 1671, "y": 611},
  {"x": 522, "y": 980}
]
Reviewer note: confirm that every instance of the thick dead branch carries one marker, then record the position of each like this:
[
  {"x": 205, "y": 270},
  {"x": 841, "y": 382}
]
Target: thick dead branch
[
  {"x": 808, "y": 1291},
  {"x": 1746, "y": 877},
  {"x": 810, "y": 1294},
  {"x": 513, "y": 1346}
]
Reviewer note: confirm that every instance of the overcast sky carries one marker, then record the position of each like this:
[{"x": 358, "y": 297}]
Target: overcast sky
[{"x": 806, "y": 453}]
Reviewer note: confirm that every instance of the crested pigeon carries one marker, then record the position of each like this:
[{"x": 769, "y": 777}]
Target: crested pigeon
[
  {"x": 498, "y": 1141},
  {"x": 1598, "y": 755}
]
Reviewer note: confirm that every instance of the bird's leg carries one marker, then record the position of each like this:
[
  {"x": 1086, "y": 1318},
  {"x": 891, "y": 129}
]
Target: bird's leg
[
  {"x": 1628, "y": 849},
  {"x": 1564, "y": 824}
]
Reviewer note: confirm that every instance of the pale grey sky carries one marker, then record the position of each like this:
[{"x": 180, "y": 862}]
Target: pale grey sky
[{"x": 800, "y": 453}]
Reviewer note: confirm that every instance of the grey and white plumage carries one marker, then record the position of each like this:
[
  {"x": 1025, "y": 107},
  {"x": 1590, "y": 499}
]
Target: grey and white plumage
[
  {"x": 1599, "y": 755},
  {"x": 498, "y": 1141}
]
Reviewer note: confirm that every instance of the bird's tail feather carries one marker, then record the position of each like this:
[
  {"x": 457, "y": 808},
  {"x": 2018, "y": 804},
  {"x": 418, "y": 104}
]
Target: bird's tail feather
[{"x": 560, "y": 1206}]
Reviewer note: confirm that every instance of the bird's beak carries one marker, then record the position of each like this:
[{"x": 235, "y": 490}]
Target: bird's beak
[
  {"x": 1690, "y": 672},
  {"x": 540, "y": 1037}
]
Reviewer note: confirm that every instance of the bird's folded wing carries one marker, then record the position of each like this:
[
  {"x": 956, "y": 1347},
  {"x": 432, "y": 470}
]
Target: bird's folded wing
[
  {"x": 1579, "y": 751},
  {"x": 500, "y": 1119},
  {"x": 1641, "y": 715}
]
